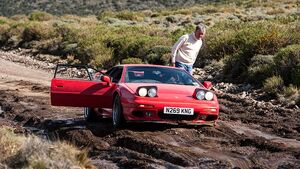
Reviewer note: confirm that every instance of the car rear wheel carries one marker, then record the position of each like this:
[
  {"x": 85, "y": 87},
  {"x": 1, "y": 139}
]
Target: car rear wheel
[
  {"x": 89, "y": 114},
  {"x": 117, "y": 113}
]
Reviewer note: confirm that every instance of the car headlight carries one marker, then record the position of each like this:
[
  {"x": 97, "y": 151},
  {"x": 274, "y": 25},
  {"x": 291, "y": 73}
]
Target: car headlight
[
  {"x": 209, "y": 95},
  {"x": 142, "y": 92},
  {"x": 200, "y": 95},
  {"x": 152, "y": 92}
]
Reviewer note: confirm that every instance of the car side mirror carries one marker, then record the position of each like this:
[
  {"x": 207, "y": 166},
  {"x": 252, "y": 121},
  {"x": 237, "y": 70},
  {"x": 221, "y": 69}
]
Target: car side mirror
[
  {"x": 207, "y": 84},
  {"x": 106, "y": 79}
]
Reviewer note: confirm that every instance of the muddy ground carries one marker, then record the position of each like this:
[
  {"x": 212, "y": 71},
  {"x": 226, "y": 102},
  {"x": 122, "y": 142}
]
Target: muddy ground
[{"x": 249, "y": 134}]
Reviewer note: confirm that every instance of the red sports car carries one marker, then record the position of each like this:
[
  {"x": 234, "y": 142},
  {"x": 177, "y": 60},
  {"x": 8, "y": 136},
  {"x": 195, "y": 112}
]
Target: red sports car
[{"x": 139, "y": 92}]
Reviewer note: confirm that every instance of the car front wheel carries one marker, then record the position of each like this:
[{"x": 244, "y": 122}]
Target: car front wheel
[{"x": 117, "y": 113}]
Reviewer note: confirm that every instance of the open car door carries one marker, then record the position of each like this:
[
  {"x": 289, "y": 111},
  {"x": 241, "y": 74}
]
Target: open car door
[{"x": 80, "y": 92}]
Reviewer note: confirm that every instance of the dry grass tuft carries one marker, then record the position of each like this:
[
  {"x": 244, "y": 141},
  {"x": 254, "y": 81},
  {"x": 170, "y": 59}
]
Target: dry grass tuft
[{"x": 32, "y": 152}]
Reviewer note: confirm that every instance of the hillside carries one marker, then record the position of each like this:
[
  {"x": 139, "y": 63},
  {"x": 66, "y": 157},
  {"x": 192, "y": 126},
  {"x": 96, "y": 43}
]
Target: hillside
[{"x": 86, "y": 7}]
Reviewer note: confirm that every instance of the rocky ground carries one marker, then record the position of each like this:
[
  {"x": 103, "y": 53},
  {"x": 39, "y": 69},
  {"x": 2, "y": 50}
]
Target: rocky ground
[{"x": 251, "y": 132}]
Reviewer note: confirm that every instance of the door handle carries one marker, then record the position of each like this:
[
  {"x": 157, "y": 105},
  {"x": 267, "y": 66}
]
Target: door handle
[{"x": 60, "y": 86}]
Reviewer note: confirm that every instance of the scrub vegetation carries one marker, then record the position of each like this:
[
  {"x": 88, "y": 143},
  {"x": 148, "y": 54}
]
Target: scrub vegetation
[
  {"x": 19, "y": 151},
  {"x": 253, "y": 41}
]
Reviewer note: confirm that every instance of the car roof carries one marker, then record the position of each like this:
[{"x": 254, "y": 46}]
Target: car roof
[{"x": 146, "y": 65}]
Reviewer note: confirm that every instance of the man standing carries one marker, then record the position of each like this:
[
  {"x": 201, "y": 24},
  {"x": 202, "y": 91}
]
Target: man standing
[{"x": 186, "y": 49}]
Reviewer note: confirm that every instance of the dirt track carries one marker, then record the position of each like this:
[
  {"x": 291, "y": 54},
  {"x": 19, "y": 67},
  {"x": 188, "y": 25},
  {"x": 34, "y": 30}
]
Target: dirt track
[{"x": 248, "y": 134}]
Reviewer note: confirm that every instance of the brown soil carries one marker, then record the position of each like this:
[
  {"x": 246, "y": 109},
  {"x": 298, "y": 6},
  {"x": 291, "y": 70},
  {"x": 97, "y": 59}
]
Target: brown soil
[{"x": 248, "y": 134}]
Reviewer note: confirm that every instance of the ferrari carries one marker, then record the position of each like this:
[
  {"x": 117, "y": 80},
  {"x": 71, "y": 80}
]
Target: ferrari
[{"x": 138, "y": 93}]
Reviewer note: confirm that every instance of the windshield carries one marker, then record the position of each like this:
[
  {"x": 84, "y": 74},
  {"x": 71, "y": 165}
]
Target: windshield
[{"x": 144, "y": 74}]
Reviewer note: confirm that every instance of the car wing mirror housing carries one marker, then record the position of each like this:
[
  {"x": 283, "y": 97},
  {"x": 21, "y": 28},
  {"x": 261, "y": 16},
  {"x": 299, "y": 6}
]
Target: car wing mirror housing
[
  {"x": 106, "y": 79},
  {"x": 207, "y": 84}
]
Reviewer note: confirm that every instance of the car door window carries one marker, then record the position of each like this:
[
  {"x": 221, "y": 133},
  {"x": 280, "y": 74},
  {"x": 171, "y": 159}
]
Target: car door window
[
  {"x": 116, "y": 75},
  {"x": 110, "y": 71}
]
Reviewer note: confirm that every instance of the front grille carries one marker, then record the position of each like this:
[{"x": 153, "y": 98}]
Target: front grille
[
  {"x": 177, "y": 117},
  {"x": 211, "y": 117}
]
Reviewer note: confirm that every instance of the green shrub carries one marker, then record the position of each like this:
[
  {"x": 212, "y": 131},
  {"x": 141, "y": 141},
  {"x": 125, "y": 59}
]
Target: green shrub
[
  {"x": 105, "y": 14},
  {"x": 287, "y": 61},
  {"x": 235, "y": 68},
  {"x": 157, "y": 55},
  {"x": 38, "y": 31},
  {"x": 260, "y": 68},
  {"x": 97, "y": 54},
  {"x": 289, "y": 95},
  {"x": 240, "y": 42},
  {"x": 177, "y": 33},
  {"x": 251, "y": 38},
  {"x": 127, "y": 15},
  {"x": 19, "y": 18},
  {"x": 40, "y": 16},
  {"x": 3, "y": 37},
  {"x": 132, "y": 61},
  {"x": 273, "y": 84},
  {"x": 134, "y": 43},
  {"x": 13, "y": 36},
  {"x": 3, "y": 20}
]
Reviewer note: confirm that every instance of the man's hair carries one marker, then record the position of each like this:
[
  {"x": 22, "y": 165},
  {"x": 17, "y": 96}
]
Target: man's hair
[{"x": 201, "y": 27}]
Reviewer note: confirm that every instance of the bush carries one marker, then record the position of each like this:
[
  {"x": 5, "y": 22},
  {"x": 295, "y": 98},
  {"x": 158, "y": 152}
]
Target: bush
[
  {"x": 133, "y": 16},
  {"x": 19, "y": 18},
  {"x": 3, "y": 20},
  {"x": 240, "y": 42},
  {"x": 3, "y": 37},
  {"x": 287, "y": 61},
  {"x": 251, "y": 38},
  {"x": 135, "y": 43},
  {"x": 260, "y": 68},
  {"x": 13, "y": 36},
  {"x": 32, "y": 152},
  {"x": 157, "y": 55},
  {"x": 38, "y": 31},
  {"x": 105, "y": 14},
  {"x": 273, "y": 84},
  {"x": 289, "y": 95},
  {"x": 40, "y": 16},
  {"x": 235, "y": 68},
  {"x": 132, "y": 61}
]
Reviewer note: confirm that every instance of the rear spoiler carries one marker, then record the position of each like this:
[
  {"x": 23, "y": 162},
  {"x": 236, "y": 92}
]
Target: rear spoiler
[{"x": 86, "y": 67}]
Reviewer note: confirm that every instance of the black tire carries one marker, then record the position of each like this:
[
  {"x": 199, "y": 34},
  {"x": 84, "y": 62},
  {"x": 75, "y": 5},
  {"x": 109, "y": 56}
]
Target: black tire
[
  {"x": 117, "y": 113},
  {"x": 89, "y": 114}
]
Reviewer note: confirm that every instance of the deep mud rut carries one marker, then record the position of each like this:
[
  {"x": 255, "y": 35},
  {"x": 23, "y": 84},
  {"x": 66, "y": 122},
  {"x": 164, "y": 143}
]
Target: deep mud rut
[{"x": 246, "y": 136}]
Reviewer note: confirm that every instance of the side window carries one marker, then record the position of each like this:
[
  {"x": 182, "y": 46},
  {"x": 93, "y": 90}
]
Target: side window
[
  {"x": 110, "y": 71},
  {"x": 116, "y": 75},
  {"x": 72, "y": 72}
]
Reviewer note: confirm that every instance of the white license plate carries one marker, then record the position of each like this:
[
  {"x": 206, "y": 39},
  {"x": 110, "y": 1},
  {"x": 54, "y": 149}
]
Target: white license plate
[{"x": 178, "y": 110}]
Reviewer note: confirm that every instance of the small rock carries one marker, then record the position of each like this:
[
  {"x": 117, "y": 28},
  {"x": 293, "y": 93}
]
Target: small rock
[{"x": 244, "y": 94}]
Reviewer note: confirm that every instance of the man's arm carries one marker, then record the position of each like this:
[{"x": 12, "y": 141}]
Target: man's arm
[{"x": 177, "y": 46}]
